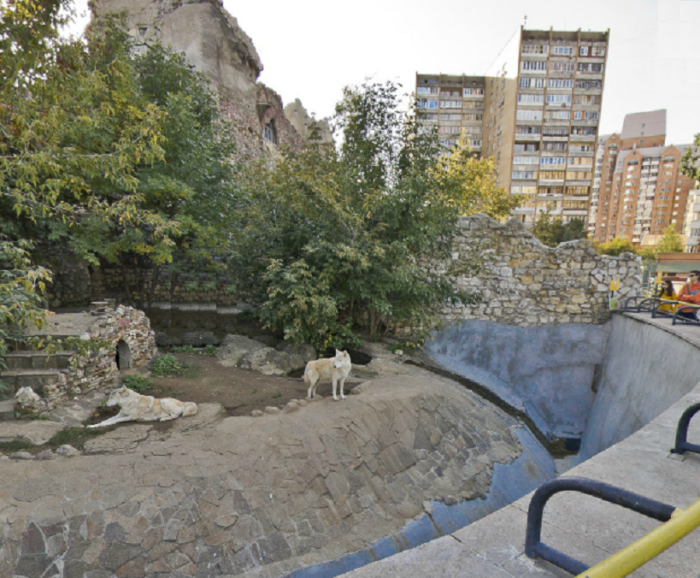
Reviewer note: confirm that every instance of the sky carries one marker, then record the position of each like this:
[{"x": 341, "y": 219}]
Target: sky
[{"x": 311, "y": 49}]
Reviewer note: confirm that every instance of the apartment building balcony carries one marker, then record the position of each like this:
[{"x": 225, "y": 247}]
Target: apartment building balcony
[{"x": 528, "y": 137}]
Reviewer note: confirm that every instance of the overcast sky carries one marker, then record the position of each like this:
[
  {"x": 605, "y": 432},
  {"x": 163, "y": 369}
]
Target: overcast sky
[{"x": 311, "y": 49}]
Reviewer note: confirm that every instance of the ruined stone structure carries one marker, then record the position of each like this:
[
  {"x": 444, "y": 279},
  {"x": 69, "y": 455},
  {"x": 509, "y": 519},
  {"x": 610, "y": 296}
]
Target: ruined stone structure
[
  {"x": 523, "y": 282},
  {"x": 214, "y": 43},
  {"x": 96, "y": 346}
]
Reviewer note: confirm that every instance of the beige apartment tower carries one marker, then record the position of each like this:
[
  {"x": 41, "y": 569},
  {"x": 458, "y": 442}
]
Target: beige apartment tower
[{"x": 536, "y": 114}]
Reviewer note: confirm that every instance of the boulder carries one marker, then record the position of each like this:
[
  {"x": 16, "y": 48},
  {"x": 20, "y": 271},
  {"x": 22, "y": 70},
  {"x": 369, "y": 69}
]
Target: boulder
[{"x": 239, "y": 351}]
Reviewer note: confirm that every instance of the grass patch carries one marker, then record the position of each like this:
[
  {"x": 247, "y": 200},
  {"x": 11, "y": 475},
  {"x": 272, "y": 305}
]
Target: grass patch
[
  {"x": 168, "y": 366},
  {"x": 18, "y": 445},
  {"x": 182, "y": 349},
  {"x": 75, "y": 436},
  {"x": 210, "y": 350},
  {"x": 137, "y": 383}
]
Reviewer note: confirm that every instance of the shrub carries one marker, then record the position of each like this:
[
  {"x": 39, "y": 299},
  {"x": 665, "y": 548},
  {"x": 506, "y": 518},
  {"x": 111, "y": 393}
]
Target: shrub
[
  {"x": 137, "y": 383},
  {"x": 167, "y": 366}
]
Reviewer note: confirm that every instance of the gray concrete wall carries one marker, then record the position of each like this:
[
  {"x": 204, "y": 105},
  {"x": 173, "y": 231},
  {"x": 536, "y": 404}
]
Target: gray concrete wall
[
  {"x": 647, "y": 369},
  {"x": 546, "y": 371}
]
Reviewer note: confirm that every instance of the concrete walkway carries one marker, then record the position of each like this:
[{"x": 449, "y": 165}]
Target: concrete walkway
[{"x": 583, "y": 527}]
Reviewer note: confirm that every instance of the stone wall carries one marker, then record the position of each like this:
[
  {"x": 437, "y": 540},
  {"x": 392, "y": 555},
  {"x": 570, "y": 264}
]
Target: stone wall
[
  {"x": 109, "y": 284},
  {"x": 523, "y": 282}
]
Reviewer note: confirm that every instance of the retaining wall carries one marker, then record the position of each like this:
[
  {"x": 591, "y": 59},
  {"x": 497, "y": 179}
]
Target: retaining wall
[{"x": 648, "y": 367}]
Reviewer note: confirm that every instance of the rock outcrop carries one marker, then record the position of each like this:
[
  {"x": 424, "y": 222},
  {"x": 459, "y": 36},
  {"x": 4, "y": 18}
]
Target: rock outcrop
[
  {"x": 214, "y": 495},
  {"x": 214, "y": 43}
]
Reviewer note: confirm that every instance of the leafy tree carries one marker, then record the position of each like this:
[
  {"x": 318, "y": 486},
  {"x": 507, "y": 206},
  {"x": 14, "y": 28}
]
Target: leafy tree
[
  {"x": 22, "y": 286},
  {"x": 122, "y": 158},
  {"x": 616, "y": 247},
  {"x": 671, "y": 242},
  {"x": 471, "y": 184},
  {"x": 553, "y": 231},
  {"x": 690, "y": 161},
  {"x": 329, "y": 238}
]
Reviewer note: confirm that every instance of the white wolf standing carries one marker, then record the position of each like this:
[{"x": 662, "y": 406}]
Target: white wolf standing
[
  {"x": 136, "y": 407},
  {"x": 334, "y": 368}
]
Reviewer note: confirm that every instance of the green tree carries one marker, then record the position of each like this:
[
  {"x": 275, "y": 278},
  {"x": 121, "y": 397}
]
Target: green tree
[
  {"x": 350, "y": 235},
  {"x": 671, "y": 242},
  {"x": 22, "y": 285},
  {"x": 471, "y": 184},
  {"x": 124, "y": 159},
  {"x": 616, "y": 247},
  {"x": 552, "y": 230},
  {"x": 690, "y": 161}
]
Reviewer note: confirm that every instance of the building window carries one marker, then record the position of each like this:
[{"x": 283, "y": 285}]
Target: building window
[
  {"x": 559, "y": 99},
  {"x": 556, "y": 66},
  {"x": 473, "y": 91},
  {"x": 552, "y": 161},
  {"x": 583, "y": 51},
  {"x": 529, "y": 115},
  {"x": 533, "y": 65},
  {"x": 450, "y": 104},
  {"x": 531, "y": 98},
  {"x": 429, "y": 104},
  {"x": 590, "y": 67},
  {"x": 589, "y": 84},
  {"x": 269, "y": 132},
  {"x": 531, "y": 83},
  {"x": 427, "y": 90},
  {"x": 565, "y": 50},
  {"x": 524, "y": 175},
  {"x": 525, "y": 160}
]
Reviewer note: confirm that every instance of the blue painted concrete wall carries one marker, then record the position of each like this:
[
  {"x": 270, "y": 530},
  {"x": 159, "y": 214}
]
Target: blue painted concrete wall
[
  {"x": 646, "y": 370},
  {"x": 546, "y": 371}
]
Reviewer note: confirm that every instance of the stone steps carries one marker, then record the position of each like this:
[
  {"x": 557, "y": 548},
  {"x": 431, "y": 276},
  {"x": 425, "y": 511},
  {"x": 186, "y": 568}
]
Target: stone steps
[
  {"x": 38, "y": 360},
  {"x": 37, "y": 379}
]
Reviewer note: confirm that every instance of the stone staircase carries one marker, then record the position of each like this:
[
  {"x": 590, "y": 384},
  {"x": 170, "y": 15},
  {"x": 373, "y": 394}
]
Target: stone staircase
[{"x": 31, "y": 368}]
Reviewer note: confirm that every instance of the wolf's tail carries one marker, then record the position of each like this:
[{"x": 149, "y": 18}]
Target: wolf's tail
[
  {"x": 189, "y": 409},
  {"x": 307, "y": 381}
]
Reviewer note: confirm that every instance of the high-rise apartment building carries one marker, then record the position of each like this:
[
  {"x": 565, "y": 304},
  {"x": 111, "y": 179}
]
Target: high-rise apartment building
[
  {"x": 535, "y": 114},
  {"x": 638, "y": 188}
]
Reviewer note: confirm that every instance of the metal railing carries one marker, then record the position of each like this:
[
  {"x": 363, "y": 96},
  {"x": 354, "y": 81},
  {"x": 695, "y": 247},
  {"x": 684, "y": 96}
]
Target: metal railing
[
  {"x": 678, "y": 523},
  {"x": 682, "y": 445}
]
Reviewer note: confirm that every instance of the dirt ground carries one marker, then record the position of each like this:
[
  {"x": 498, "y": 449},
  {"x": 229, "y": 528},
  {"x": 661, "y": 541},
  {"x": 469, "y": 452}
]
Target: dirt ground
[{"x": 240, "y": 391}]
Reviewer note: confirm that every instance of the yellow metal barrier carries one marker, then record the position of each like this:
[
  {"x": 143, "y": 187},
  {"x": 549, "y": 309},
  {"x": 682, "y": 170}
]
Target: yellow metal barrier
[{"x": 628, "y": 559}]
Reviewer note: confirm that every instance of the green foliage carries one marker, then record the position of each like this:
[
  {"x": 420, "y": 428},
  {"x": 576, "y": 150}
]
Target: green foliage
[
  {"x": 690, "y": 161},
  {"x": 471, "y": 184},
  {"x": 137, "y": 383},
  {"x": 17, "y": 445},
  {"x": 332, "y": 238},
  {"x": 552, "y": 231},
  {"x": 210, "y": 350},
  {"x": 167, "y": 366},
  {"x": 182, "y": 349},
  {"x": 671, "y": 242},
  {"x": 124, "y": 159},
  {"x": 22, "y": 287},
  {"x": 616, "y": 247}
]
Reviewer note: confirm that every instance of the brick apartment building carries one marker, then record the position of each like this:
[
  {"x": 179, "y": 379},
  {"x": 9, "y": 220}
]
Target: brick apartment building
[{"x": 638, "y": 188}]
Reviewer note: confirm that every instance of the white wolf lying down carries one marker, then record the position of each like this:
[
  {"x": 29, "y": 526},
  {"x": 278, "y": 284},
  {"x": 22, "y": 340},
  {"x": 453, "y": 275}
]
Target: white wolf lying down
[
  {"x": 334, "y": 368},
  {"x": 137, "y": 407}
]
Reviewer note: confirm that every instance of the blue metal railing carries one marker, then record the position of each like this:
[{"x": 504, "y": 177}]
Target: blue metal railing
[
  {"x": 534, "y": 547},
  {"x": 682, "y": 445}
]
